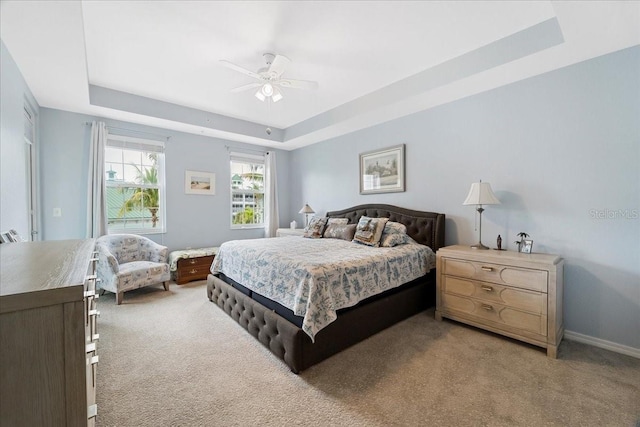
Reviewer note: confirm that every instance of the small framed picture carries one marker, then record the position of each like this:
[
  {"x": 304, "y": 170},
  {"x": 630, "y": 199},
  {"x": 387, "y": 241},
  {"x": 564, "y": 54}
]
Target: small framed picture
[
  {"x": 527, "y": 247},
  {"x": 200, "y": 183}
]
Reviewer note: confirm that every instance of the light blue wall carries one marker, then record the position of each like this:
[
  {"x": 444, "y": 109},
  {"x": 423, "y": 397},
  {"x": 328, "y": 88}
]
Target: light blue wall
[
  {"x": 15, "y": 93},
  {"x": 559, "y": 150},
  {"x": 554, "y": 148},
  {"x": 192, "y": 220}
]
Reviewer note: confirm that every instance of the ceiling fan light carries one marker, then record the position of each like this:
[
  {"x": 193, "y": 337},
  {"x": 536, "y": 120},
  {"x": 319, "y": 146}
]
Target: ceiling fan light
[
  {"x": 267, "y": 89},
  {"x": 260, "y": 96},
  {"x": 277, "y": 95}
]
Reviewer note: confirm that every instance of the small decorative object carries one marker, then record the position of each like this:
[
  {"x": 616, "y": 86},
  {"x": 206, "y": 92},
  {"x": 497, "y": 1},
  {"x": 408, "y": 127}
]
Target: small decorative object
[
  {"x": 481, "y": 194},
  {"x": 200, "y": 183},
  {"x": 499, "y": 242},
  {"x": 520, "y": 243},
  {"x": 382, "y": 171},
  {"x": 527, "y": 247},
  {"x": 293, "y": 224},
  {"x": 306, "y": 210}
]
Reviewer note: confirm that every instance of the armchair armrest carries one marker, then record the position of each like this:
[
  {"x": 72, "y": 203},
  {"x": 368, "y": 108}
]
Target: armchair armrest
[
  {"x": 106, "y": 259},
  {"x": 157, "y": 252}
]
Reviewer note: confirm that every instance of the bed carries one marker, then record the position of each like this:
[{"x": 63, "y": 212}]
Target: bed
[{"x": 290, "y": 337}]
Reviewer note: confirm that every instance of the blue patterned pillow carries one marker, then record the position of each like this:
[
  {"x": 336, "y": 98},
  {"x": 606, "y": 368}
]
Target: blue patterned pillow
[
  {"x": 369, "y": 230},
  {"x": 315, "y": 228},
  {"x": 394, "y": 234}
]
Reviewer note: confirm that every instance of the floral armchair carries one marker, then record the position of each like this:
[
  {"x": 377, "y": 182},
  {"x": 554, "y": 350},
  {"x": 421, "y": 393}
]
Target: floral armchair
[{"x": 129, "y": 261}]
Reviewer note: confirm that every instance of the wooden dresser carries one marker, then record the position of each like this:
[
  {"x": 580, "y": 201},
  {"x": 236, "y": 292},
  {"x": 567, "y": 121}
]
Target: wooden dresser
[
  {"x": 515, "y": 294},
  {"x": 48, "y": 333}
]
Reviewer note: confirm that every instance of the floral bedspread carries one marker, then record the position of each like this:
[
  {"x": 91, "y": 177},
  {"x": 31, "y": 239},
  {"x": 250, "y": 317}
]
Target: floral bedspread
[{"x": 316, "y": 277}]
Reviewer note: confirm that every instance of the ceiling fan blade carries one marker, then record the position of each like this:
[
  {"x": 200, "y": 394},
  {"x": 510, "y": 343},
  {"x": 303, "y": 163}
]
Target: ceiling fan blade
[
  {"x": 278, "y": 66},
  {"x": 297, "y": 84},
  {"x": 240, "y": 69},
  {"x": 245, "y": 87}
]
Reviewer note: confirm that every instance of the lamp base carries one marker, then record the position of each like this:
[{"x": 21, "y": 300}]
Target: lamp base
[{"x": 479, "y": 245}]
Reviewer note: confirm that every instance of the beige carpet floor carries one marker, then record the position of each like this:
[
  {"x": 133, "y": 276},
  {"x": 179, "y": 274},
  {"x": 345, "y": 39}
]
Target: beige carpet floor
[{"x": 175, "y": 359}]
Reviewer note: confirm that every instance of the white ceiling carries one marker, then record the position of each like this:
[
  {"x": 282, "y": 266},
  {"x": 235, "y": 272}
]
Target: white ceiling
[{"x": 374, "y": 61}]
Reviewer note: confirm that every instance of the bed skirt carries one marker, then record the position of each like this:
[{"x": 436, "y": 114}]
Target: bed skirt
[{"x": 294, "y": 347}]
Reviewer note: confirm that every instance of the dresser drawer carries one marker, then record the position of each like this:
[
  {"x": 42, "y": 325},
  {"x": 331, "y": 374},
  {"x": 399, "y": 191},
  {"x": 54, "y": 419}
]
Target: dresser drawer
[
  {"x": 190, "y": 269},
  {"x": 498, "y": 314},
  {"x": 521, "y": 299},
  {"x": 194, "y": 271},
  {"x": 188, "y": 263},
  {"x": 535, "y": 280}
]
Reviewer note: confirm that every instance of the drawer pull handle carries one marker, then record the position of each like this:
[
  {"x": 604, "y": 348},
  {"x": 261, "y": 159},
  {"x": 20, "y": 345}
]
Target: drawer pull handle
[
  {"x": 487, "y": 288},
  {"x": 487, "y": 307},
  {"x": 92, "y": 411},
  {"x": 486, "y": 268},
  {"x": 194, "y": 271},
  {"x": 193, "y": 261}
]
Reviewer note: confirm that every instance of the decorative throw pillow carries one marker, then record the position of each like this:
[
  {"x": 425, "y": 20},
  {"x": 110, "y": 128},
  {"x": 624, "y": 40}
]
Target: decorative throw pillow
[
  {"x": 369, "y": 230},
  {"x": 337, "y": 221},
  {"x": 340, "y": 231},
  {"x": 315, "y": 228},
  {"x": 394, "y": 234}
]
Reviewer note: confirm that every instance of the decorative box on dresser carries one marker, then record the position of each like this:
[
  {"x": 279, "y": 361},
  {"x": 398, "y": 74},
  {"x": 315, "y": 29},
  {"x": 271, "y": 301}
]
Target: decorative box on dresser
[
  {"x": 48, "y": 333},
  {"x": 514, "y": 294}
]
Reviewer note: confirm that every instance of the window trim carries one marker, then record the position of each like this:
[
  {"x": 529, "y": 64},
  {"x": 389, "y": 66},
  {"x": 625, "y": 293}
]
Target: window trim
[{"x": 148, "y": 146}]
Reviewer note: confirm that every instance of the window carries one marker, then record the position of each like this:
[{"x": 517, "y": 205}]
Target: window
[
  {"x": 135, "y": 185},
  {"x": 247, "y": 191}
]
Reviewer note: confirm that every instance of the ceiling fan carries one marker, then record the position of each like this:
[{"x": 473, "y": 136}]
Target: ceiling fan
[{"x": 270, "y": 78}]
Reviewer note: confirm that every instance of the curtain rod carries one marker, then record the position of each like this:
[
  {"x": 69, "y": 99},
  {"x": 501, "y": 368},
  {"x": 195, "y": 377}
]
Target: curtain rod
[{"x": 134, "y": 131}]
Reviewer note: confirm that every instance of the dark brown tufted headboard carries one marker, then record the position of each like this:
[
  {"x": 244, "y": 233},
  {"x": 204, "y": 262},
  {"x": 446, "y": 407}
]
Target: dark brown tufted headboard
[{"x": 426, "y": 228}]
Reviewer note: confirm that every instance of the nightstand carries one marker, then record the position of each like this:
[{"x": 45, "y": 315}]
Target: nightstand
[
  {"x": 509, "y": 293},
  {"x": 280, "y": 232}
]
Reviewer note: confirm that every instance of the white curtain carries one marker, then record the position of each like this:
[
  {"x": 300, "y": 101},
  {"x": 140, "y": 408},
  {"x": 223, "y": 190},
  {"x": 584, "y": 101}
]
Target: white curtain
[
  {"x": 271, "y": 219},
  {"x": 96, "y": 191}
]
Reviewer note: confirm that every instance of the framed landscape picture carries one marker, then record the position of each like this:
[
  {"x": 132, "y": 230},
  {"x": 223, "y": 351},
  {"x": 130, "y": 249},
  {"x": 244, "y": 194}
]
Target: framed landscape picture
[
  {"x": 200, "y": 183},
  {"x": 382, "y": 171}
]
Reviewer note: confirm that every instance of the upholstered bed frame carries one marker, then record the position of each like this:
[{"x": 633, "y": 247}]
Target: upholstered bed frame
[{"x": 354, "y": 324}]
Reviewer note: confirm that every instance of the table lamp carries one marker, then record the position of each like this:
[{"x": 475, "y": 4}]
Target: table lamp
[
  {"x": 481, "y": 194},
  {"x": 306, "y": 210}
]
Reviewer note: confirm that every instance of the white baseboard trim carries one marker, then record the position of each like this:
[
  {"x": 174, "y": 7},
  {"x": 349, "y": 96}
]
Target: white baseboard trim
[{"x": 607, "y": 345}]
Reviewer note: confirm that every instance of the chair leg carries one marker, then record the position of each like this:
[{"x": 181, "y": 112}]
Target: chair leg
[
  {"x": 166, "y": 285},
  {"x": 119, "y": 297}
]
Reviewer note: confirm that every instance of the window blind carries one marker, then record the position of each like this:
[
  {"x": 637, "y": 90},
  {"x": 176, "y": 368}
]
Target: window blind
[{"x": 132, "y": 143}]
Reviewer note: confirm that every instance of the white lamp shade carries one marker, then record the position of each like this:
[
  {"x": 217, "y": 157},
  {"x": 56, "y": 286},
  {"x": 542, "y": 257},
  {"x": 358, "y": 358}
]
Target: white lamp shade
[
  {"x": 481, "y": 194},
  {"x": 306, "y": 209},
  {"x": 277, "y": 95},
  {"x": 260, "y": 96}
]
